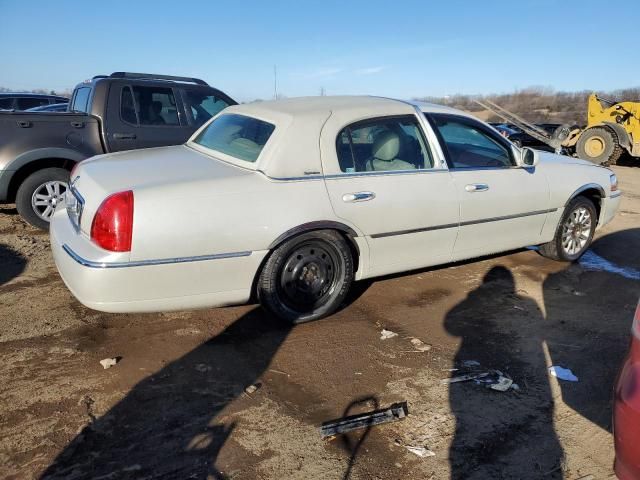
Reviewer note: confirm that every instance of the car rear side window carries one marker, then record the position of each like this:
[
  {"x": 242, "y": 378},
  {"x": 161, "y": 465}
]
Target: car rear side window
[
  {"x": 383, "y": 144},
  {"x": 469, "y": 145},
  {"x": 80, "y": 102},
  {"x": 235, "y": 135},
  {"x": 6, "y": 103}
]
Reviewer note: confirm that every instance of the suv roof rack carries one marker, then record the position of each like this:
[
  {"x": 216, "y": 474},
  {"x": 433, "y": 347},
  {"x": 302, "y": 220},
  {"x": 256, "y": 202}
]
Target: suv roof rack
[{"x": 153, "y": 76}]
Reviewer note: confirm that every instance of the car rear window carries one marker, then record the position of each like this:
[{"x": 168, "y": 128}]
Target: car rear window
[{"x": 236, "y": 135}]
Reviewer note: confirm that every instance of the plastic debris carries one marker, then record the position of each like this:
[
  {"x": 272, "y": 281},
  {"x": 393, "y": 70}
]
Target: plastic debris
[
  {"x": 493, "y": 379},
  {"x": 252, "y": 388},
  {"x": 109, "y": 362},
  {"x": 420, "y": 345},
  {"x": 420, "y": 451},
  {"x": 395, "y": 412},
  {"x": 563, "y": 373},
  {"x": 387, "y": 334}
]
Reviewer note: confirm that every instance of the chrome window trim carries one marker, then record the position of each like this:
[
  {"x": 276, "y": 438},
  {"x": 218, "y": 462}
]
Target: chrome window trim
[
  {"x": 462, "y": 224},
  {"x": 143, "y": 263},
  {"x": 334, "y": 176}
]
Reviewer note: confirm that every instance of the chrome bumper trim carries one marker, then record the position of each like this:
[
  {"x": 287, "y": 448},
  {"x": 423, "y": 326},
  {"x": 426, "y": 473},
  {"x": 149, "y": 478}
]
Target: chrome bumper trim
[
  {"x": 615, "y": 194},
  {"x": 144, "y": 263}
]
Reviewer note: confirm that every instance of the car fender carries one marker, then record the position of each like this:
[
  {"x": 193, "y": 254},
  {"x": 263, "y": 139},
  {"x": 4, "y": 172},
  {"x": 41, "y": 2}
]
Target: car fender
[{"x": 44, "y": 153}]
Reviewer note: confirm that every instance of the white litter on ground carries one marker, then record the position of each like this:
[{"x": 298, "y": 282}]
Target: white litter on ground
[
  {"x": 108, "y": 362},
  {"x": 419, "y": 345},
  {"x": 420, "y": 451},
  {"x": 563, "y": 373},
  {"x": 387, "y": 334},
  {"x": 593, "y": 261}
]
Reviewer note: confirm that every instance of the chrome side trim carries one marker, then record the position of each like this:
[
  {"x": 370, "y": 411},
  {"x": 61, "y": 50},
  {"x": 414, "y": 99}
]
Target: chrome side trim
[
  {"x": 144, "y": 263},
  {"x": 462, "y": 224},
  {"x": 334, "y": 176},
  {"x": 615, "y": 194}
]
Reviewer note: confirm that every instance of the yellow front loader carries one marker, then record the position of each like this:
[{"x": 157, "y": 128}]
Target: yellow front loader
[{"x": 612, "y": 128}]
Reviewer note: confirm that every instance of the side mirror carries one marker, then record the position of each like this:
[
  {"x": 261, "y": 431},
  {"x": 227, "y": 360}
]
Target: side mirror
[{"x": 529, "y": 157}]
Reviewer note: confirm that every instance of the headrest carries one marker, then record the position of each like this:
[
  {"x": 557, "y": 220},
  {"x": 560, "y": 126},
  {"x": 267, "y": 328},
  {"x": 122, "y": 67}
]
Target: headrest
[{"x": 386, "y": 146}]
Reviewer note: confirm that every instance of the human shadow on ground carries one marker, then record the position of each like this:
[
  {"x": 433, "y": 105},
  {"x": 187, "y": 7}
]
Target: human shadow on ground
[
  {"x": 12, "y": 264},
  {"x": 502, "y": 434},
  {"x": 589, "y": 314},
  {"x": 351, "y": 442},
  {"x": 167, "y": 426}
]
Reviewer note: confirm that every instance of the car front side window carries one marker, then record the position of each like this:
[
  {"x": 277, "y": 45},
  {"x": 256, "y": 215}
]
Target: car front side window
[
  {"x": 469, "y": 145},
  {"x": 383, "y": 144}
]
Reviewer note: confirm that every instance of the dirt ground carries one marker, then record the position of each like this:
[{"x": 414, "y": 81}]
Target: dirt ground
[{"x": 175, "y": 407}]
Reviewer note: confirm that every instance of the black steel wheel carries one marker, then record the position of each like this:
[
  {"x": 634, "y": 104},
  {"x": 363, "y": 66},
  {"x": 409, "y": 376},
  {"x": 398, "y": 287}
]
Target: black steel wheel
[{"x": 307, "y": 277}]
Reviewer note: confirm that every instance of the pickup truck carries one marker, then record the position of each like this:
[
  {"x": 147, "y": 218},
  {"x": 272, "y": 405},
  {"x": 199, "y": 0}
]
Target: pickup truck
[{"x": 121, "y": 111}]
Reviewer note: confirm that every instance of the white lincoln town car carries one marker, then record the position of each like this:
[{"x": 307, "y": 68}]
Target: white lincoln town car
[{"x": 294, "y": 200}]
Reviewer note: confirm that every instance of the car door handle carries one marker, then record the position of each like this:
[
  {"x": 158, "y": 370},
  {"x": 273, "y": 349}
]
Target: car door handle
[
  {"x": 477, "y": 187},
  {"x": 358, "y": 197},
  {"x": 124, "y": 136}
]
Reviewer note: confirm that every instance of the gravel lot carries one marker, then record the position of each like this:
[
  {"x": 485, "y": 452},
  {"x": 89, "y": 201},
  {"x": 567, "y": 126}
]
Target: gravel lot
[{"x": 174, "y": 406}]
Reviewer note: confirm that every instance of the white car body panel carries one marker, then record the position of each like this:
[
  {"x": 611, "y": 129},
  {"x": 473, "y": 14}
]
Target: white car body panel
[{"x": 204, "y": 221}]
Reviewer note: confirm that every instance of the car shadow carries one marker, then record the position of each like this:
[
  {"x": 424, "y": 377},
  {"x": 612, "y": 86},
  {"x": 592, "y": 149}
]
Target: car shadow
[
  {"x": 12, "y": 264},
  {"x": 168, "y": 425}
]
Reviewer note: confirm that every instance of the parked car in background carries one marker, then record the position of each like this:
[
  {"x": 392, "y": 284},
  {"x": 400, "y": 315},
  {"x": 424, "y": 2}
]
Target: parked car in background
[
  {"x": 520, "y": 138},
  {"x": 121, "y": 111},
  {"x": 25, "y": 101},
  {"x": 626, "y": 410},
  {"x": 54, "y": 107},
  {"x": 293, "y": 200}
]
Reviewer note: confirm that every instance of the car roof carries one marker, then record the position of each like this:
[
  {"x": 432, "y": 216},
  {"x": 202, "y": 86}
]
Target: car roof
[
  {"x": 29, "y": 94},
  {"x": 323, "y": 104}
]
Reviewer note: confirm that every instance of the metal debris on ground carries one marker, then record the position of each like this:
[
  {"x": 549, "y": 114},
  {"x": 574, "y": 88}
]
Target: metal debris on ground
[
  {"x": 395, "y": 412},
  {"x": 563, "y": 373},
  {"x": 252, "y": 388},
  {"x": 420, "y": 451},
  {"x": 493, "y": 379},
  {"x": 419, "y": 345},
  {"x": 387, "y": 334},
  {"x": 109, "y": 362}
]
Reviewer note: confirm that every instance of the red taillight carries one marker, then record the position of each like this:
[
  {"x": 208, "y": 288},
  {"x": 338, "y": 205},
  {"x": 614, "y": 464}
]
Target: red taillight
[{"x": 112, "y": 225}]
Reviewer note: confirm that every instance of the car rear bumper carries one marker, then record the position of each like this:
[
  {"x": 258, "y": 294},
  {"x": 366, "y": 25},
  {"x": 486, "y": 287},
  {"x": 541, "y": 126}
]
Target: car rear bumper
[
  {"x": 626, "y": 416},
  {"x": 110, "y": 283}
]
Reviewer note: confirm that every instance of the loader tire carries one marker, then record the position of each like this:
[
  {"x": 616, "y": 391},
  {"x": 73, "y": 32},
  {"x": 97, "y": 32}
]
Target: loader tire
[{"x": 599, "y": 145}]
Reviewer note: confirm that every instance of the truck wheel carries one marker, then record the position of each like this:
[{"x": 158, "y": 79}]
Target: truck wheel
[
  {"x": 307, "y": 277},
  {"x": 574, "y": 233},
  {"x": 39, "y": 194},
  {"x": 599, "y": 145}
]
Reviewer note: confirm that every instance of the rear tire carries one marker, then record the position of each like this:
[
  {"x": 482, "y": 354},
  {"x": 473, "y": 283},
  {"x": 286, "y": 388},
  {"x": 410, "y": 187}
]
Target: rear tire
[
  {"x": 599, "y": 145},
  {"x": 39, "y": 194},
  {"x": 574, "y": 233},
  {"x": 307, "y": 277}
]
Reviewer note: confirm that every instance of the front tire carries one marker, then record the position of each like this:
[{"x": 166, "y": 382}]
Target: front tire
[
  {"x": 39, "y": 194},
  {"x": 574, "y": 233},
  {"x": 307, "y": 277},
  {"x": 599, "y": 145}
]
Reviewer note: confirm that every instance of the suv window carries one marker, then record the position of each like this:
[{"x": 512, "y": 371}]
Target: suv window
[
  {"x": 6, "y": 103},
  {"x": 236, "y": 135},
  {"x": 80, "y": 102},
  {"x": 469, "y": 145},
  {"x": 30, "y": 102},
  {"x": 155, "y": 106},
  {"x": 383, "y": 144},
  {"x": 202, "y": 106}
]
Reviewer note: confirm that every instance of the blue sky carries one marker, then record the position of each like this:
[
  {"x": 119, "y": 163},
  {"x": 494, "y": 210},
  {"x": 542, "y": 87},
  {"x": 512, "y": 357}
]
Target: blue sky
[{"x": 393, "y": 48}]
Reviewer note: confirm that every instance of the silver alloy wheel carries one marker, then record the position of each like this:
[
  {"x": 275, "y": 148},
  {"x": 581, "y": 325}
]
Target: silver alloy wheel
[
  {"x": 46, "y": 197},
  {"x": 576, "y": 230}
]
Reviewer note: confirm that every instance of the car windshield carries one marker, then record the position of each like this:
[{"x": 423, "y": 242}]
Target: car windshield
[{"x": 236, "y": 135}]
